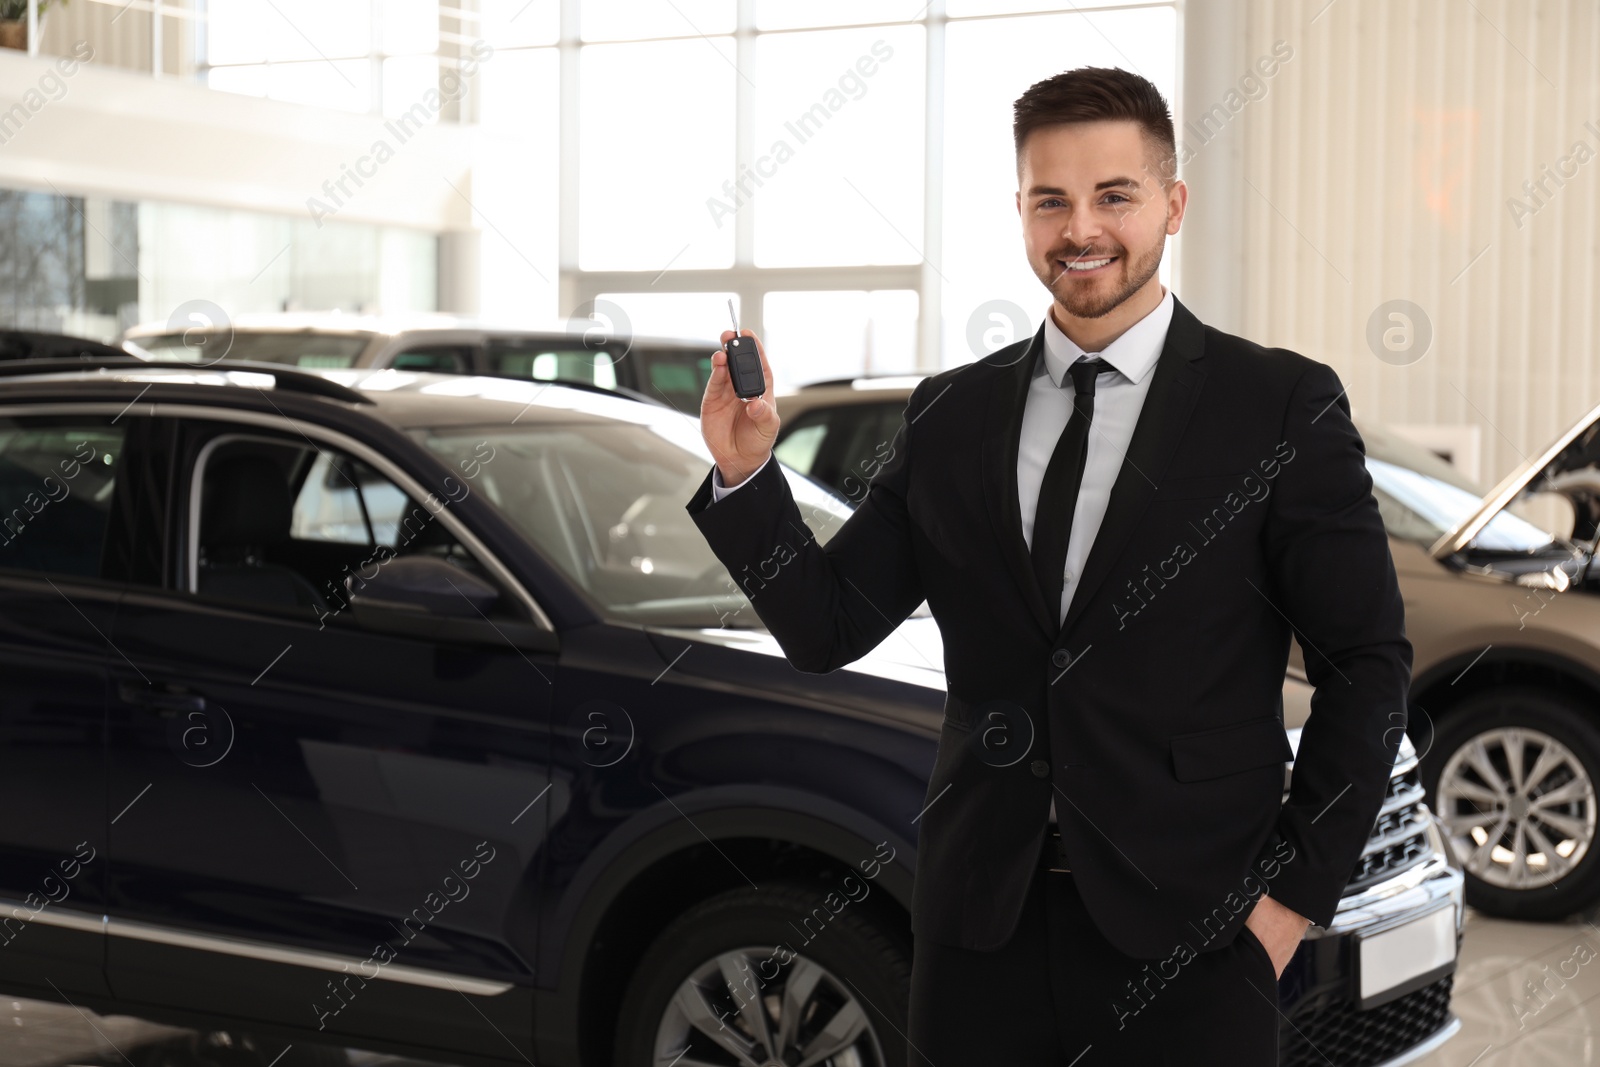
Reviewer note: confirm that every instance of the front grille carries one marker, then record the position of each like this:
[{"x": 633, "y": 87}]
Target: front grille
[
  {"x": 1326, "y": 1028},
  {"x": 1399, "y": 837}
]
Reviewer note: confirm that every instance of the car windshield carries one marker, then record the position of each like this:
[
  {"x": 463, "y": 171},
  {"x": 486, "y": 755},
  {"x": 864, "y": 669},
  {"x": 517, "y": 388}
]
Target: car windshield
[
  {"x": 299, "y": 349},
  {"x": 605, "y": 502},
  {"x": 1422, "y": 496}
]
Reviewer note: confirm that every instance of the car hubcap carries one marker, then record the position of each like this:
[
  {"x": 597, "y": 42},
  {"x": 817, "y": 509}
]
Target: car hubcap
[
  {"x": 763, "y": 1006},
  {"x": 1518, "y": 806}
]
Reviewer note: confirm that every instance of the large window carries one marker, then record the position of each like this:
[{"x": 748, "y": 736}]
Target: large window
[{"x": 844, "y": 168}]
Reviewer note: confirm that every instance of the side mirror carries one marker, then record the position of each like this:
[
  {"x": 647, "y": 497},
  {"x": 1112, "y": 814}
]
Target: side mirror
[{"x": 423, "y": 584}]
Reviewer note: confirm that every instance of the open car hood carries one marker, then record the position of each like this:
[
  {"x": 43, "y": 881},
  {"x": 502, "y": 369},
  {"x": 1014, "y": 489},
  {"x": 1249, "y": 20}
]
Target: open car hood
[{"x": 1569, "y": 465}]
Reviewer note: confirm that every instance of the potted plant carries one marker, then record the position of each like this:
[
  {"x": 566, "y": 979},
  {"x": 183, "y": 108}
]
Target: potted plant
[{"x": 14, "y": 22}]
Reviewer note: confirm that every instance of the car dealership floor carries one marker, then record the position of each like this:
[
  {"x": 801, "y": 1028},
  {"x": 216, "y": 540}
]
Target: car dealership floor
[{"x": 1528, "y": 995}]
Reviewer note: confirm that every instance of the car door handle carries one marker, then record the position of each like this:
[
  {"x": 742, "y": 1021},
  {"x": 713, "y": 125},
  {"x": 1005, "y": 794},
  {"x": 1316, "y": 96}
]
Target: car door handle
[{"x": 159, "y": 697}]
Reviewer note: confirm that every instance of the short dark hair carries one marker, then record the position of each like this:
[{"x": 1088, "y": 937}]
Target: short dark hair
[{"x": 1095, "y": 94}]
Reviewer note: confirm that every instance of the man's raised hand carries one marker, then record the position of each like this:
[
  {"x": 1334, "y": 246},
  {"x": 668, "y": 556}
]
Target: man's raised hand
[{"x": 738, "y": 433}]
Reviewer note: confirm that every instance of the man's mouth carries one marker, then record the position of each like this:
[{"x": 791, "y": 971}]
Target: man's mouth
[{"x": 1086, "y": 266}]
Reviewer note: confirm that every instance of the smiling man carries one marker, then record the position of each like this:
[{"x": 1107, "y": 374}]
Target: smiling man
[{"x": 1118, "y": 524}]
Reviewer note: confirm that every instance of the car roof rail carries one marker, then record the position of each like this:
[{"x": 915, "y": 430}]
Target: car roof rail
[{"x": 289, "y": 379}]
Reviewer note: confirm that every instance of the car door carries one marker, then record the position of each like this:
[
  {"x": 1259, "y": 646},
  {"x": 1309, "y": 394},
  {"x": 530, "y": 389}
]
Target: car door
[
  {"x": 332, "y": 813},
  {"x": 64, "y": 555}
]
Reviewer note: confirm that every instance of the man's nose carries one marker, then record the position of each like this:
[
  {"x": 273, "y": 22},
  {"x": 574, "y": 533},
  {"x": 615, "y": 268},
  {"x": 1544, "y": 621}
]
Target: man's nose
[{"x": 1082, "y": 228}]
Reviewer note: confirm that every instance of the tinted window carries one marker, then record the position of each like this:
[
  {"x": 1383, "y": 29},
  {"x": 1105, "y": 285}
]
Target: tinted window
[
  {"x": 547, "y": 363},
  {"x": 441, "y": 359},
  {"x": 288, "y": 526},
  {"x": 675, "y": 375},
  {"x": 842, "y": 447},
  {"x": 57, "y": 477}
]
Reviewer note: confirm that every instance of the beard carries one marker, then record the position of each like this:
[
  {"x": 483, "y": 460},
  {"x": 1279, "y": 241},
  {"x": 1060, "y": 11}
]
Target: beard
[{"x": 1100, "y": 297}]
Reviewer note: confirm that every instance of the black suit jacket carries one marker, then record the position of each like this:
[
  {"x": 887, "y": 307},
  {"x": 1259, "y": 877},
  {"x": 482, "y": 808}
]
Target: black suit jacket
[{"x": 1242, "y": 513}]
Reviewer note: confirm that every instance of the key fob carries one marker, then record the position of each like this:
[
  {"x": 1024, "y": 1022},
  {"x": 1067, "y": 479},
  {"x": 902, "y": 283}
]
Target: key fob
[{"x": 744, "y": 364}]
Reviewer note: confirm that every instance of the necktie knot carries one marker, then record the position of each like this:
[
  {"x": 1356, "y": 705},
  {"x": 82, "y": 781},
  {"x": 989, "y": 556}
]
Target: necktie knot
[{"x": 1084, "y": 372}]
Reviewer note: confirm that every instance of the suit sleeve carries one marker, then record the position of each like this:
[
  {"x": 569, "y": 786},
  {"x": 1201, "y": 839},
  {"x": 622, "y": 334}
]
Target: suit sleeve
[
  {"x": 826, "y": 605},
  {"x": 1333, "y": 578},
  {"x": 718, "y": 490}
]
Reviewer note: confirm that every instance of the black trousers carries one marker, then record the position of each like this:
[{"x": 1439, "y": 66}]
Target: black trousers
[{"x": 1059, "y": 994}]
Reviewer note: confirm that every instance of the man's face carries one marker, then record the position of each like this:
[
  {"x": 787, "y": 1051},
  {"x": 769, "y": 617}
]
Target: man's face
[{"x": 1090, "y": 191}]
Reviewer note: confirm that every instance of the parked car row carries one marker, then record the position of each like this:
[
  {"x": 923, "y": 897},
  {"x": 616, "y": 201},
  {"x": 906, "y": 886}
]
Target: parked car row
[
  {"x": 410, "y": 712},
  {"x": 671, "y": 371}
]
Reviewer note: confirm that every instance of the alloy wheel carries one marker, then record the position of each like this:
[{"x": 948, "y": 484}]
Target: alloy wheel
[
  {"x": 1518, "y": 807},
  {"x": 764, "y": 1006}
]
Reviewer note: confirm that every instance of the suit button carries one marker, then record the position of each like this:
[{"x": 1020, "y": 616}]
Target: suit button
[
  {"x": 1040, "y": 768},
  {"x": 1061, "y": 658}
]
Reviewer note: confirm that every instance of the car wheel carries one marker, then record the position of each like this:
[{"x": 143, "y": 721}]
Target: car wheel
[
  {"x": 1512, "y": 775},
  {"x": 785, "y": 974}
]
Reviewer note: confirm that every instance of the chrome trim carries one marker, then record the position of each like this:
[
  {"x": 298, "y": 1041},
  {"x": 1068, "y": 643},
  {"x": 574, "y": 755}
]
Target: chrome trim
[
  {"x": 68, "y": 919},
  {"x": 299, "y": 957},
  {"x": 50, "y": 915},
  {"x": 1416, "y": 1052},
  {"x": 1416, "y": 826},
  {"x": 1415, "y": 890},
  {"x": 1410, "y": 796}
]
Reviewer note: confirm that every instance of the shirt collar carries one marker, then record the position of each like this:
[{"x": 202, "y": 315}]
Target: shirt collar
[{"x": 1132, "y": 354}]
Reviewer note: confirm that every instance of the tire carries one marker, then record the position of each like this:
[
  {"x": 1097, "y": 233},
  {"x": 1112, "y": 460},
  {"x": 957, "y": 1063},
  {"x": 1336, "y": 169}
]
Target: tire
[
  {"x": 736, "y": 958},
  {"x": 1489, "y": 817}
]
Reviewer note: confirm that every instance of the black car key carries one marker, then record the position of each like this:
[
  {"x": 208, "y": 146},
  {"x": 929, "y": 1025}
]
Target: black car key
[{"x": 744, "y": 362}]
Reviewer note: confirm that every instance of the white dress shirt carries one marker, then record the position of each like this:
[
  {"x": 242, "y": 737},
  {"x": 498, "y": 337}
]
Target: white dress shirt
[{"x": 1118, "y": 399}]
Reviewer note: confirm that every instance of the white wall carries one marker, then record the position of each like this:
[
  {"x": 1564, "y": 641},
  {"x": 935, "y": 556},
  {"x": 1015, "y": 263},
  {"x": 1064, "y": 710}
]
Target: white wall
[{"x": 1385, "y": 162}]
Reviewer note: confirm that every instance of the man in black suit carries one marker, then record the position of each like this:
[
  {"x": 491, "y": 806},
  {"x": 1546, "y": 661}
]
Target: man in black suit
[{"x": 1117, "y": 524}]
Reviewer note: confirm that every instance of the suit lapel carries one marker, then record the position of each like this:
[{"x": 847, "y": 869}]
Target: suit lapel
[
  {"x": 1162, "y": 421},
  {"x": 1002, "y": 433}
]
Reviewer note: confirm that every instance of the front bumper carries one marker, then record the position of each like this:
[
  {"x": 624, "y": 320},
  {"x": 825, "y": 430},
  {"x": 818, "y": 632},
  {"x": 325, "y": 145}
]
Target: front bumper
[{"x": 1323, "y": 1022}]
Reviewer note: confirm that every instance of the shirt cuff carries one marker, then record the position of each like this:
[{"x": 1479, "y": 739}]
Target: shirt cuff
[{"x": 718, "y": 490}]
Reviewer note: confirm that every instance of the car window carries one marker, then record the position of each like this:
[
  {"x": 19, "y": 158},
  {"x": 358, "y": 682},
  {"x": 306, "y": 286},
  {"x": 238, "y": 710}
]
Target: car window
[
  {"x": 440, "y": 359},
  {"x": 57, "y": 476},
  {"x": 603, "y": 501},
  {"x": 546, "y": 363},
  {"x": 1421, "y": 496},
  {"x": 842, "y": 447},
  {"x": 346, "y": 501},
  {"x": 799, "y": 446},
  {"x": 676, "y": 375},
  {"x": 288, "y": 526}
]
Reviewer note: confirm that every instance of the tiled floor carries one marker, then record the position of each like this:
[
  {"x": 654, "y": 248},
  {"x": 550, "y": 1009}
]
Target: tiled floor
[{"x": 1528, "y": 995}]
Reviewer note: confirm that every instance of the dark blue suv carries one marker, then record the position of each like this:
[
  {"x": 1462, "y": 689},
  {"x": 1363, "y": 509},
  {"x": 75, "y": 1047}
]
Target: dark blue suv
[{"x": 411, "y": 712}]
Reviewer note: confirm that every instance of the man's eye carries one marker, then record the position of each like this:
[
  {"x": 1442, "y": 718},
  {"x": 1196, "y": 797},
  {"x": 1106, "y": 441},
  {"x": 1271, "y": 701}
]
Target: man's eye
[
  {"x": 1118, "y": 196},
  {"x": 1049, "y": 202}
]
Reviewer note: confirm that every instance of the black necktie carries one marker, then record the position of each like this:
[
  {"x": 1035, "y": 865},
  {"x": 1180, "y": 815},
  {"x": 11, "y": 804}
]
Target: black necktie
[{"x": 1058, "y": 493}]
